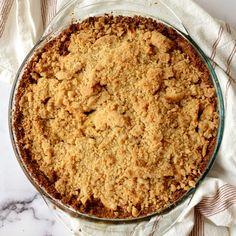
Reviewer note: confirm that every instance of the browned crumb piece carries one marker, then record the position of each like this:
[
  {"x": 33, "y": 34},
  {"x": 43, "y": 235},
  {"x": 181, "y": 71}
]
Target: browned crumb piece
[{"x": 116, "y": 116}]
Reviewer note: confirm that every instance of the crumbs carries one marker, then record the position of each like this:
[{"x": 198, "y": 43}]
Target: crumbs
[{"x": 119, "y": 113}]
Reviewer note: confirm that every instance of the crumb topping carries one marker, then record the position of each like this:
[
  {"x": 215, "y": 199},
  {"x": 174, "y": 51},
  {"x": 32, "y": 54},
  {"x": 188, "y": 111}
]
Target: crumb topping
[{"x": 120, "y": 111}]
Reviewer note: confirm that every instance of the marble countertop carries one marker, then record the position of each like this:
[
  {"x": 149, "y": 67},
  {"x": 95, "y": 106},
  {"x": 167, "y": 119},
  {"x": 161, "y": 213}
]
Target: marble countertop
[{"x": 22, "y": 210}]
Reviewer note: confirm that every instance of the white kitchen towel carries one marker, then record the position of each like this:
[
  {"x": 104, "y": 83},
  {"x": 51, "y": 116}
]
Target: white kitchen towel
[{"x": 212, "y": 210}]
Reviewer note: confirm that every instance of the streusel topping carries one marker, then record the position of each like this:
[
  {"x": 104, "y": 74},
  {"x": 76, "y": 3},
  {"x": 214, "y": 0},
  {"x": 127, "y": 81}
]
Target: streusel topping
[{"x": 117, "y": 111}]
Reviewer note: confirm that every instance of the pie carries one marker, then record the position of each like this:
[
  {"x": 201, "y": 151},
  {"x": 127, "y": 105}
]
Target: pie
[{"x": 116, "y": 116}]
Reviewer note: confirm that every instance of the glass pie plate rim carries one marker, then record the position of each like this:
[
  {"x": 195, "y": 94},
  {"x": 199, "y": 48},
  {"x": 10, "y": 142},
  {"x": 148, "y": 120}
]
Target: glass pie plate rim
[{"x": 69, "y": 209}]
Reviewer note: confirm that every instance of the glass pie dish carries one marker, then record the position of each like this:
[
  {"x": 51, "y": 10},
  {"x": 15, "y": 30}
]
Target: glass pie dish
[{"x": 79, "y": 10}]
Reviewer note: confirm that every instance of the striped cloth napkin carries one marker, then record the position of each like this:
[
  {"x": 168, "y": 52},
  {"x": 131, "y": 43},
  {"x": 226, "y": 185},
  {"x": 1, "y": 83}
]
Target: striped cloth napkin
[{"x": 212, "y": 209}]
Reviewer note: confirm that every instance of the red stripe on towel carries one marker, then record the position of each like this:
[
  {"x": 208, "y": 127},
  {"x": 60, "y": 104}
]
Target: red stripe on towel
[
  {"x": 5, "y": 8},
  {"x": 48, "y": 10},
  {"x": 222, "y": 200},
  {"x": 216, "y": 43},
  {"x": 228, "y": 28},
  {"x": 198, "y": 228},
  {"x": 230, "y": 58},
  {"x": 154, "y": 226}
]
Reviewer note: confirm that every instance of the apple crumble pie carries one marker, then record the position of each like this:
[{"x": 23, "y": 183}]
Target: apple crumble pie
[{"x": 116, "y": 116}]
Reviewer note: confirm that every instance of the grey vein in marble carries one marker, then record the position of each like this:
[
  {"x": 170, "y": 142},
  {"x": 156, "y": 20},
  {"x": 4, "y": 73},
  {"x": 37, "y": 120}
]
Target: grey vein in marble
[{"x": 11, "y": 209}]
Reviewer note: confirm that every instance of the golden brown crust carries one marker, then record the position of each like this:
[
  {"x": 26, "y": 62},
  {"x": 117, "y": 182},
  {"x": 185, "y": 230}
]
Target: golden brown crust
[{"x": 116, "y": 117}]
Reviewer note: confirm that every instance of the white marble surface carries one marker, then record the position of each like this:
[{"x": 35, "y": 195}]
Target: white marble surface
[{"x": 22, "y": 210}]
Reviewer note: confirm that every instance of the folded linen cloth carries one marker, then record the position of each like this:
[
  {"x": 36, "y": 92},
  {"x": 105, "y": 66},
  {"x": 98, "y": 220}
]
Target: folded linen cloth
[{"x": 212, "y": 209}]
